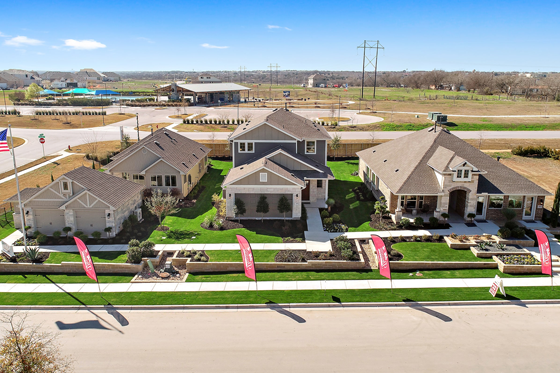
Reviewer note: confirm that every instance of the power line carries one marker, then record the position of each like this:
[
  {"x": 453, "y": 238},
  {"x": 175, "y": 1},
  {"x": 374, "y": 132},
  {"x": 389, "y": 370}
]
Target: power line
[{"x": 366, "y": 45}]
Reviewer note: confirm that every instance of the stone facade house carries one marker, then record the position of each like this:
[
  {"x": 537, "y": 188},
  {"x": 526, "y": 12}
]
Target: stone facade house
[
  {"x": 433, "y": 171},
  {"x": 163, "y": 160},
  {"x": 277, "y": 154},
  {"x": 83, "y": 199}
]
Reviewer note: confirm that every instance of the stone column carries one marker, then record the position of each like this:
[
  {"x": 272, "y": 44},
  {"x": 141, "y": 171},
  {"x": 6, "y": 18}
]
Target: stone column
[
  {"x": 296, "y": 205},
  {"x": 69, "y": 219}
]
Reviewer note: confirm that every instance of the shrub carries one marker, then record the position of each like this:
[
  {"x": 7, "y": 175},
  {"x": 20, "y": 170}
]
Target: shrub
[
  {"x": 96, "y": 235},
  {"x": 347, "y": 254},
  {"x": 42, "y": 238},
  {"x": 436, "y": 237},
  {"x": 126, "y": 224},
  {"x": 445, "y": 216},
  {"x": 147, "y": 193},
  {"x": 133, "y": 219},
  {"x": 509, "y": 214},
  {"x": 147, "y": 248},
  {"x": 217, "y": 223},
  {"x": 471, "y": 216},
  {"x": 78, "y": 233},
  {"x": 425, "y": 238},
  {"x": 303, "y": 213},
  {"x": 344, "y": 245},
  {"x": 207, "y": 222},
  {"x": 405, "y": 222},
  {"x": 511, "y": 225},
  {"x": 414, "y": 238},
  {"x": 418, "y": 221},
  {"x": 66, "y": 230},
  {"x": 327, "y": 221},
  {"x": 434, "y": 222},
  {"x": 391, "y": 238},
  {"x": 56, "y": 234},
  {"x": 203, "y": 259},
  {"x": 462, "y": 237},
  {"x": 453, "y": 235},
  {"x": 186, "y": 253},
  {"x": 401, "y": 238},
  {"x": 134, "y": 254},
  {"x": 133, "y": 243},
  {"x": 504, "y": 233},
  {"x": 178, "y": 234},
  {"x": 216, "y": 198},
  {"x": 31, "y": 253},
  {"x": 335, "y": 218},
  {"x": 324, "y": 214},
  {"x": 518, "y": 232},
  {"x": 36, "y": 234}
]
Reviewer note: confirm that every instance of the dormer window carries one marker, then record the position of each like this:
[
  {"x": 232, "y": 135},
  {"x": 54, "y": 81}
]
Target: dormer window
[
  {"x": 462, "y": 174},
  {"x": 65, "y": 187}
]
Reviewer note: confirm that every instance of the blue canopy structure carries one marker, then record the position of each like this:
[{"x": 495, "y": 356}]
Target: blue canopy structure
[
  {"x": 105, "y": 92},
  {"x": 48, "y": 92},
  {"x": 79, "y": 91}
]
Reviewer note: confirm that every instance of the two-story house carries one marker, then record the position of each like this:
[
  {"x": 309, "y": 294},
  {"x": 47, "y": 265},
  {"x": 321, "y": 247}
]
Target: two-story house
[
  {"x": 164, "y": 160},
  {"x": 434, "y": 171},
  {"x": 277, "y": 154},
  {"x": 83, "y": 199}
]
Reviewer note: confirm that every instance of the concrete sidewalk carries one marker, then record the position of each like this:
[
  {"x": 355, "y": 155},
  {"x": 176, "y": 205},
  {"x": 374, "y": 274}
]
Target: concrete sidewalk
[
  {"x": 275, "y": 285},
  {"x": 62, "y": 153}
]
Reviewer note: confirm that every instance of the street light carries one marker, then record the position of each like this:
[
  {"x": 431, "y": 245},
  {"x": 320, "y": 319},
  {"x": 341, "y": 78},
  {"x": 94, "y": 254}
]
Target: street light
[{"x": 137, "y": 127}]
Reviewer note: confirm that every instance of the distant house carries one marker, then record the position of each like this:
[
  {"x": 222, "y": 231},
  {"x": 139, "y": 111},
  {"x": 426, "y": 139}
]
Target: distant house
[
  {"x": 433, "y": 171},
  {"x": 84, "y": 199},
  {"x": 317, "y": 80},
  {"x": 202, "y": 79},
  {"x": 10, "y": 81},
  {"x": 165, "y": 160},
  {"x": 277, "y": 154},
  {"x": 111, "y": 77},
  {"x": 27, "y": 77},
  {"x": 57, "y": 84}
]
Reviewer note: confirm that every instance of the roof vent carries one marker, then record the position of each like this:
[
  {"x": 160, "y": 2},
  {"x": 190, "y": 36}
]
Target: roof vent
[
  {"x": 293, "y": 175},
  {"x": 194, "y": 155},
  {"x": 157, "y": 143},
  {"x": 184, "y": 164},
  {"x": 241, "y": 168},
  {"x": 384, "y": 161},
  {"x": 373, "y": 151},
  {"x": 397, "y": 170}
]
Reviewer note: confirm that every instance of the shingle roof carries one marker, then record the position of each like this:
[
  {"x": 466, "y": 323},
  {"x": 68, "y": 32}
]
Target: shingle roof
[
  {"x": 179, "y": 151},
  {"x": 404, "y": 165},
  {"x": 207, "y": 88},
  {"x": 247, "y": 169},
  {"x": 296, "y": 125},
  {"x": 25, "y": 194}
]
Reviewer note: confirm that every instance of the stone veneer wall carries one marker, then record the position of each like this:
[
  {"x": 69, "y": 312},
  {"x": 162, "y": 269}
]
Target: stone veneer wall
[
  {"x": 311, "y": 265},
  {"x": 70, "y": 267}
]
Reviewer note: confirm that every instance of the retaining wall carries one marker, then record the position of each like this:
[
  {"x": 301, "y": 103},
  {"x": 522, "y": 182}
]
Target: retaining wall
[
  {"x": 424, "y": 266},
  {"x": 517, "y": 269},
  {"x": 70, "y": 267}
]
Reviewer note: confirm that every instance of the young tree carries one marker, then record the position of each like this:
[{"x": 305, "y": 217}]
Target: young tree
[
  {"x": 27, "y": 349},
  {"x": 335, "y": 145},
  {"x": 284, "y": 206},
  {"x": 239, "y": 208},
  {"x": 162, "y": 205},
  {"x": 32, "y": 91},
  {"x": 262, "y": 206},
  {"x": 381, "y": 207},
  {"x": 555, "y": 208}
]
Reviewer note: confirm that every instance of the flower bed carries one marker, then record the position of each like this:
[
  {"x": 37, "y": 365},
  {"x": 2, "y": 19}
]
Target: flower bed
[
  {"x": 517, "y": 264},
  {"x": 455, "y": 241},
  {"x": 488, "y": 250}
]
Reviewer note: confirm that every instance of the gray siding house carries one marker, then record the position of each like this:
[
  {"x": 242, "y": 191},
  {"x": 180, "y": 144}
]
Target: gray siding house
[
  {"x": 83, "y": 199},
  {"x": 277, "y": 154}
]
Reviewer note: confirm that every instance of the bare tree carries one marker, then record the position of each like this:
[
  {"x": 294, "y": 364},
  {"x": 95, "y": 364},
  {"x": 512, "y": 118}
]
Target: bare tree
[
  {"x": 91, "y": 142},
  {"x": 506, "y": 83},
  {"x": 480, "y": 139},
  {"x": 372, "y": 137},
  {"x": 332, "y": 111},
  {"x": 27, "y": 349},
  {"x": 435, "y": 78},
  {"x": 414, "y": 80},
  {"x": 480, "y": 82},
  {"x": 247, "y": 116}
]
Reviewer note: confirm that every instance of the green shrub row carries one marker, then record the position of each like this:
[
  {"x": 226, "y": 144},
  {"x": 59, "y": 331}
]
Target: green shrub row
[
  {"x": 536, "y": 151},
  {"x": 69, "y": 112},
  {"x": 213, "y": 121},
  {"x": 9, "y": 112}
]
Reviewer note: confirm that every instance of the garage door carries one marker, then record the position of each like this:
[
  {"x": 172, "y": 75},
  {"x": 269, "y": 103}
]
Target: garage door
[
  {"x": 251, "y": 201},
  {"x": 89, "y": 221},
  {"x": 48, "y": 221}
]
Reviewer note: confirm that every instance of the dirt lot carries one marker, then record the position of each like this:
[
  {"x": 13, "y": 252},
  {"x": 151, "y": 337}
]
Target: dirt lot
[
  {"x": 542, "y": 171},
  {"x": 205, "y": 128},
  {"x": 155, "y": 126},
  {"x": 56, "y": 122},
  {"x": 100, "y": 148}
]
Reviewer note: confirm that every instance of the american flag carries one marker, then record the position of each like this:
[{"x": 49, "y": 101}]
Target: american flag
[{"x": 4, "y": 141}]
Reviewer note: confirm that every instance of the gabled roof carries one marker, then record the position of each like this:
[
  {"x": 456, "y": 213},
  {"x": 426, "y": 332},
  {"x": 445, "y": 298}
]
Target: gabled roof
[
  {"x": 207, "y": 88},
  {"x": 240, "y": 172},
  {"x": 320, "y": 171},
  {"x": 178, "y": 151},
  {"x": 406, "y": 165},
  {"x": 114, "y": 191},
  {"x": 285, "y": 121}
]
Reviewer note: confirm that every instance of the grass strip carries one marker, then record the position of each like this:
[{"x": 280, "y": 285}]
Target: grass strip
[
  {"x": 20, "y": 278},
  {"x": 435, "y": 252},
  {"x": 235, "y": 255},
  {"x": 289, "y": 296},
  {"x": 97, "y": 257}
]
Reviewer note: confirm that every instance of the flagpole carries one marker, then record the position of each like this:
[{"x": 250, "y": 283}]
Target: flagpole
[{"x": 21, "y": 212}]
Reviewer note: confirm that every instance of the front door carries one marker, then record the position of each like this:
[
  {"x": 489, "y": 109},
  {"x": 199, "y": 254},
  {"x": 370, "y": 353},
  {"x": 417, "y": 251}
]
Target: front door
[
  {"x": 305, "y": 192},
  {"x": 480, "y": 207},
  {"x": 529, "y": 210}
]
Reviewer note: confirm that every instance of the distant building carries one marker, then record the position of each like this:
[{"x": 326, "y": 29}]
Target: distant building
[
  {"x": 112, "y": 77},
  {"x": 57, "y": 84},
  {"x": 27, "y": 77},
  {"x": 10, "y": 81},
  {"x": 202, "y": 79},
  {"x": 317, "y": 80}
]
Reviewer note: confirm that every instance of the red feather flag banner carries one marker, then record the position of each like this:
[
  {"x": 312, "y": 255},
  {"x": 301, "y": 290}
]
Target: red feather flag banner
[
  {"x": 382, "y": 257},
  {"x": 247, "y": 256},
  {"x": 544, "y": 249},
  {"x": 86, "y": 259}
]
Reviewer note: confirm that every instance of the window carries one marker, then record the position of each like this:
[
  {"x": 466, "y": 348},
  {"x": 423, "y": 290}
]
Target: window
[
  {"x": 420, "y": 202},
  {"x": 156, "y": 180},
  {"x": 310, "y": 147},
  {"x": 462, "y": 174},
  {"x": 496, "y": 202},
  {"x": 246, "y": 147},
  {"x": 263, "y": 177},
  {"x": 515, "y": 202},
  {"x": 125, "y": 176},
  {"x": 319, "y": 183},
  {"x": 65, "y": 186},
  {"x": 199, "y": 167},
  {"x": 410, "y": 202},
  {"x": 138, "y": 178},
  {"x": 170, "y": 180},
  {"x": 368, "y": 172}
]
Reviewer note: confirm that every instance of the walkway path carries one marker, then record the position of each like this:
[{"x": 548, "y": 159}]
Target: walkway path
[
  {"x": 62, "y": 153},
  {"x": 275, "y": 285}
]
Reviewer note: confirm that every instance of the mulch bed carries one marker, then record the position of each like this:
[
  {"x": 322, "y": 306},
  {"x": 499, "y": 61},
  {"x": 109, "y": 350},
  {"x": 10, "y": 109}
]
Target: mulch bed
[
  {"x": 190, "y": 202},
  {"x": 181, "y": 255},
  {"x": 21, "y": 258},
  {"x": 299, "y": 256},
  {"x": 388, "y": 224},
  {"x": 181, "y": 271}
]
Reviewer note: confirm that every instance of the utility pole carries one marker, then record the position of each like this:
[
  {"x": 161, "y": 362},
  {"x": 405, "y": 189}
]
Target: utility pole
[
  {"x": 240, "y": 74},
  {"x": 277, "y": 73},
  {"x": 271, "y": 73},
  {"x": 366, "y": 45}
]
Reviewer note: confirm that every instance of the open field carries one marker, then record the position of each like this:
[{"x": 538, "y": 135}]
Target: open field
[
  {"x": 56, "y": 122},
  {"x": 100, "y": 148},
  {"x": 28, "y": 165}
]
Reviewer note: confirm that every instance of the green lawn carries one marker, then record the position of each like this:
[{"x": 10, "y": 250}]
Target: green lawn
[
  {"x": 356, "y": 214},
  {"x": 189, "y": 219},
  {"x": 474, "y": 126},
  {"x": 235, "y": 255},
  {"x": 289, "y": 296},
  {"x": 59, "y": 279},
  {"x": 6, "y": 225},
  {"x": 98, "y": 257},
  {"x": 434, "y": 252},
  {"x": 348, "y": 275}
]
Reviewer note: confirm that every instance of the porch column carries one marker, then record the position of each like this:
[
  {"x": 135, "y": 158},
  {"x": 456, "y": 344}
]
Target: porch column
[
  {"x": 296, "y": 205},
  {"x": 437, "y": 212}
]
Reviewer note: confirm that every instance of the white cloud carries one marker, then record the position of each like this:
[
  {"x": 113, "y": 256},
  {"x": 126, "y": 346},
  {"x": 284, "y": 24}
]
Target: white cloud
[
  {"x": 22, "y": 40},
  {"x": 2, "y": 35},
  {"x": 206, "y": 45},
  {"x": 83, "y": 44},
  {"x": 278, "y": 27},
  {"x": 147, "y": 40}
]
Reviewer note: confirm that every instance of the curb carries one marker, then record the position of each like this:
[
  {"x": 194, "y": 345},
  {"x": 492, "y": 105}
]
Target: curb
[{"x": 299, "y": 306}]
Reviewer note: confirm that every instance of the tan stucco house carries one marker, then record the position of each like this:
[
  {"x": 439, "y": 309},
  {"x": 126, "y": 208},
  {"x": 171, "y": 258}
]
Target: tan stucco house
[
  {"x": 163, "y": 160},
  {"x": 277, "y": 154},
  {"x": 83, "y": 199},
  {"x": 433, "y": 171}
]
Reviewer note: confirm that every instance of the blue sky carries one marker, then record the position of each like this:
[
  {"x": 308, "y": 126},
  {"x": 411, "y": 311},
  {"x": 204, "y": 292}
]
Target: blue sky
[{"x": 298, "y": 35}]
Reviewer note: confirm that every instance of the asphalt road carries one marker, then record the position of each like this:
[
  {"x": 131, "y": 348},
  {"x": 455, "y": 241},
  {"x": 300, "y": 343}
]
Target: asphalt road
[
  {"x": 58, "y": 140},
  {"x": 433, "y": 339}
]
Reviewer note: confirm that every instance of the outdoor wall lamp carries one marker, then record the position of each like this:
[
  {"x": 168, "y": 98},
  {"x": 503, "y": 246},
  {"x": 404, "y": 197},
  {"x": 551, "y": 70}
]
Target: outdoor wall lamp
[
  {"x": 297, "y": 195},
  {"x": 27, "y": 212},
  {"x": 108, "y": 215},
  {"x": 230, "y": 195}
]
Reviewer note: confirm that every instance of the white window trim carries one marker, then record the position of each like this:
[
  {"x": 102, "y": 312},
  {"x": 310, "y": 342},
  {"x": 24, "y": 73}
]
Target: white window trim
[
  {"x": 462, "y": 169},
  {"x": 263, "y": 179},
  {"x": 169, "y": 186},
  {"x": 315, "y": 147},
  {"x": 69, "y": 190},
  {"x": 246, "y": 147}
]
